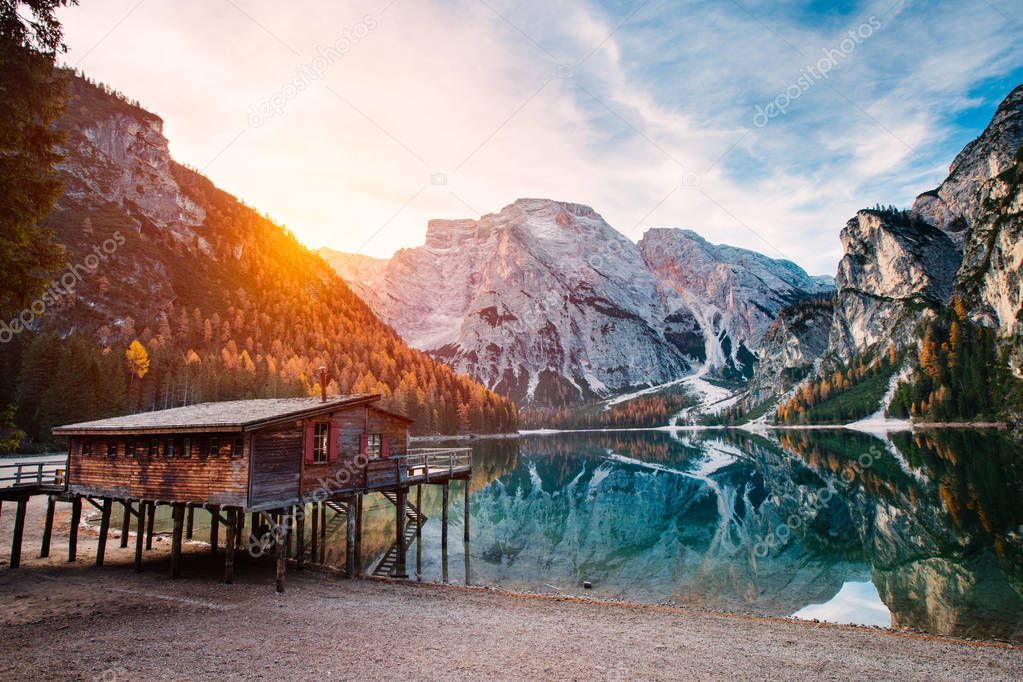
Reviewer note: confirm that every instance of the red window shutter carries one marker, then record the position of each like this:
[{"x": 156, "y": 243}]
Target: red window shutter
[
  {"x": 363, "y": 444},
  {"x": 335, "y": 430},
  {"x": 308, "y": 442},
  {"x": 384, "y": 446}
]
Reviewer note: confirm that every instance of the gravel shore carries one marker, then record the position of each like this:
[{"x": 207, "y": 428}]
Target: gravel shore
[{"x": 74, "y": 621}]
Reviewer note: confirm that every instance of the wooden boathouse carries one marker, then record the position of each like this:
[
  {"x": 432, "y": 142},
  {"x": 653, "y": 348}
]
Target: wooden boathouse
[{"x": 281, "y": 462}]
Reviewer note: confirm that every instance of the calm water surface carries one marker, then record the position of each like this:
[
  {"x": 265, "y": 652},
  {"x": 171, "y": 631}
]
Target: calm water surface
[{"x": 919, "y": 530}]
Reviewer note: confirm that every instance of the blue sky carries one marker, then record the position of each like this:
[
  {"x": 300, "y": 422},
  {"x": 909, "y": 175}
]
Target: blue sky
[{"x": 657, "y": 113}]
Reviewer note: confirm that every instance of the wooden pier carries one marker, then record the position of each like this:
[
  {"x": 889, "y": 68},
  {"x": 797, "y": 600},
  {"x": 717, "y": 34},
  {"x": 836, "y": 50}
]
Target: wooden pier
[{"x": 283, "y": 465}]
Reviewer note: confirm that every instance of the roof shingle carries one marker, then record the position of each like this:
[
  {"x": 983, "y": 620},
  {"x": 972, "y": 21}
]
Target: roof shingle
[{"x": 226, "y": 415}]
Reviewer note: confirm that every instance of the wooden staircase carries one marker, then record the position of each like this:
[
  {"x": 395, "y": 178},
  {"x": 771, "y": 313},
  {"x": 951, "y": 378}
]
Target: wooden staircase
[
  {"x": 337, "y": 507},
  {"x": 412, "y": 512},
  {"x": 385, "y": 567}
]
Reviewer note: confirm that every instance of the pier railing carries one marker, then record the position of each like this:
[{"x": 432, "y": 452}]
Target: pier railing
[
  {"x": 427, "y": 462},
  {"x": 38, "y": 473}
]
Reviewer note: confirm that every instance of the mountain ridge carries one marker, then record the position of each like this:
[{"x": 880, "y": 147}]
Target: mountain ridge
[
  {"x": 224, "y": 303},
  {"x": 458, "y": 295}
]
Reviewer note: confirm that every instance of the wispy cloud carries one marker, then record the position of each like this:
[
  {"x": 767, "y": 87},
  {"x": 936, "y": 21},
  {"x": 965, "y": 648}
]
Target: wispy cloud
[{"x": 642, "y": 109}]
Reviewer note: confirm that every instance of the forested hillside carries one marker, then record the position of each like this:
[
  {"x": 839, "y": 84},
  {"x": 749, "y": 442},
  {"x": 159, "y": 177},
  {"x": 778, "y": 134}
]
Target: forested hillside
[{"x": 215, "y": 301}]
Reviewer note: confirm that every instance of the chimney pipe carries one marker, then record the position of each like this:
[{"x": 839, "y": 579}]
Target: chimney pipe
[{"x": 323, "y": 384}]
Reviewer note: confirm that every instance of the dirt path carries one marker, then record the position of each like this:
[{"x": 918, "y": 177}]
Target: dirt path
[{"x": 60, "y": 621}]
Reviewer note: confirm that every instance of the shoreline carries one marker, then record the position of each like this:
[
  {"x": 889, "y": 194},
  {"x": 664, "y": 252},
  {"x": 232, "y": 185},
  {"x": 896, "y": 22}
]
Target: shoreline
[
  {"x": 117, "y": 622},
  {"x": 887, "y": 426}
]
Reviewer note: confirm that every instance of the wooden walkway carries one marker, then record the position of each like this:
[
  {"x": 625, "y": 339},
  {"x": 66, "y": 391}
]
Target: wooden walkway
[{"x": 21, "y": 480}]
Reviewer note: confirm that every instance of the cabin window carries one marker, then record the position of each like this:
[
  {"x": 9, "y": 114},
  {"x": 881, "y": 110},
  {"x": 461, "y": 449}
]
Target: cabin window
[
  {"x": 239, "y": 448},
  {"x": 111, "y": 448},
  {"x": 373, "y": 446},
  {"x": 214, "y": 448},
  {"x": 86, "y": 448},
  {"x": 154, "y": 447},
  {"x": 186, "y": 448},
  {"x": 171, "y": 449},
  {"x": 321, "y": 436}
]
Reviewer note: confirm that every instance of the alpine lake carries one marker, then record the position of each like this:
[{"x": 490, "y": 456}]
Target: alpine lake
[{"x": 920, "y": 530}]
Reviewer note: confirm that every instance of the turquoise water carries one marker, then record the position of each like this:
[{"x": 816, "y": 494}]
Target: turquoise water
[
  {"x": 920, "y": 531},
  {"x": 917, "y": 530}
]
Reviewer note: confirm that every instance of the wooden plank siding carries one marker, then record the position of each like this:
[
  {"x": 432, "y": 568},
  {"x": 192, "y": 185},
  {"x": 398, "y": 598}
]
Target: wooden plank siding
[
  {"x": 268, "y": 470},
  {"x": 347, "y": 474},
  {"x": 276, "y": 464},
  {"x": 198, "y": 478}
]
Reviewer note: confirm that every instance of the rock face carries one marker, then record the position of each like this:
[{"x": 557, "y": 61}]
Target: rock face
[
  {"x": 120, "y": 184},
  {"x": 989, "y": 282},
  {"x": 735, "y": 294},
  {"x": 961, "y": 240},
  {"x": 895, "y": 267},
  {"x": 979, "y": 204},
  {"x": 546, "y": 302},
  {"x": 543, "y": 302},
  {"x": 136, "y": 163},
  {"x": 959, "y": 203},
  {"x": 791, "y": 347}
]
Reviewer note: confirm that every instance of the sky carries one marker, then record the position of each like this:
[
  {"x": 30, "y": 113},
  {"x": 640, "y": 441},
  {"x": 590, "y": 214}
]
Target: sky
[{"x": 762, "y": 124}]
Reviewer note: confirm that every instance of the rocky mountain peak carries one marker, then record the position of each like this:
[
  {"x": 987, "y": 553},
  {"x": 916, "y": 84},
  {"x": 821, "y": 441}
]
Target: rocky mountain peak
[
  {"x": 956, "y": 205},
  {"x": 895, "y": 265},
  {"x": 734, "y": 293}
]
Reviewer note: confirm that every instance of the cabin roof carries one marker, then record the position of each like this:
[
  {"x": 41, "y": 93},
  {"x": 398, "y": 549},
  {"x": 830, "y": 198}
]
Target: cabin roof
[{"x": 229, "y": 415}]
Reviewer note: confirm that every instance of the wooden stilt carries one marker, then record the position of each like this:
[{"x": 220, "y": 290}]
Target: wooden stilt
[
  {"x": 419, "y": 553},
  {"x": 149, "y": 525},
  {"x": 289, "y": 525},
  {"x": 232, "y": 536},
  {"x": 444, "y": 564},
  {"x": 444, "y": 517},
  {"x": 125, "y": 522},
  {"x": 19, "y": 532},
  {"x": 419, "y": 514},
  {"x": 314, "y": 542},
  {"x": 189, "y": 525},
  {"x": 214, "y": 528},
  {"x": 275, "y": 529},
  {"x": 44, "y": 549},
  {"x": 350, "y": 539},
  {"x": 323, "y": 533},
  {"x": 104, "y": 530},
  {"x": 358, "y": 534},
  {"x": 465, "y": 524},
  {"x": 179, "y": 518},
  {"x": 281, "y": 562},
  {"x": 240, "y": 523},
  {"x": 399, "y": 517},
  {"x": 140, "y": 535},
  {"x": 300, "y": 537},
  {"x": 76, "y": 518},
  {"x": 253, "y": 528}
]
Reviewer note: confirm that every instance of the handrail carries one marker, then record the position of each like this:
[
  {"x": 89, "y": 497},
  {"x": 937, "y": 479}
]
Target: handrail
[
  {"x": 41, "y": 472},
  {"x": 427, "y": 461}
]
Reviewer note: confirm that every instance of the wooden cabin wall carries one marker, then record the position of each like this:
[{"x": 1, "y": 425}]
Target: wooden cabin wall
[
  {"x": 353, "y": 423},
  {"x": 276, "y": 464},
  {"x": 198, "y": 478},
  {"x": 395, "y": 428}
]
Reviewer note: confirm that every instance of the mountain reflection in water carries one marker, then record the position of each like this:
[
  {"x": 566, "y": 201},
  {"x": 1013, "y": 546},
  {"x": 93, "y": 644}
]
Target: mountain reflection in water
[{"x": 772, "y": 524}]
